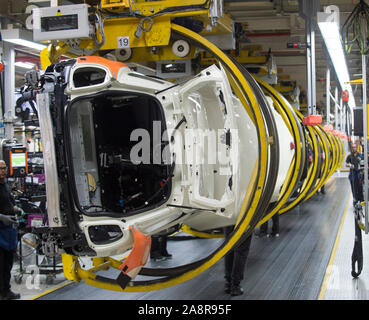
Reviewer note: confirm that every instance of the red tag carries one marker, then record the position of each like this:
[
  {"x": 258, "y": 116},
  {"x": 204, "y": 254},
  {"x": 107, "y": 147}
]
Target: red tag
[{"x": 312, "y": 120}]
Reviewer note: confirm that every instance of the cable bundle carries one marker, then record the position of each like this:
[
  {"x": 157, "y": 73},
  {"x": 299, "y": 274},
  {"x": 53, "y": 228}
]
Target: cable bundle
[{"x": 358, "y": 24}]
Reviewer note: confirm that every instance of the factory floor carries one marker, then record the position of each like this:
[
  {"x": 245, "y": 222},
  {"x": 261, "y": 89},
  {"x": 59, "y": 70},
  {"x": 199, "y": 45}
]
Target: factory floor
[{"x": 311, "y": 260}]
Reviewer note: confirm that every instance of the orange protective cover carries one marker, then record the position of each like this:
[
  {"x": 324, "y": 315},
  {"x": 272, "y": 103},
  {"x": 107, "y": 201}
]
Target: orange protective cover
[
  {"x": 113, "y": 66},
  {"x": 139, "y": 254},
  {"x": 312, "y": 120}
]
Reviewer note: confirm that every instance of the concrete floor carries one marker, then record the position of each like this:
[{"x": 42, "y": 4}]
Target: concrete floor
[
  {"x": 338, "y": 283},
  {"x": 313, "y": 237}
]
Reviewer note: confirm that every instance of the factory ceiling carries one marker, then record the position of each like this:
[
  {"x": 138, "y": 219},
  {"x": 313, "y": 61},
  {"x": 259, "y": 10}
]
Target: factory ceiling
[
  {"x": 268, "y": 24},
  {"x": 272, "y": 24}
]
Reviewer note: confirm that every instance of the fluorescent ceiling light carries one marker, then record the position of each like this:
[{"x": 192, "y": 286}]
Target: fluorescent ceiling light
[
  {"x": 25, "y": 65},
  {"x": 27, "y": 43},
  {"x": 21, "y": 37},
  {"x": 332, "y": 41},
  {"x": 328, "y": 23}
]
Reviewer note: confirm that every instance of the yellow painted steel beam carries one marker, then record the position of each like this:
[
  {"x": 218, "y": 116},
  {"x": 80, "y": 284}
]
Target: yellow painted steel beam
[
  {"x": 155, "y": 29},
  {"x": 148, "y": 8},
  {"x": 282, "y": 89},
  {"x": 158, "y": 33},
  {"x": 113, "y": 4},
  {"x": 224, "y": 25},
  {"x": 70, "y": 267},
  {"x": 356, "y": 81}
]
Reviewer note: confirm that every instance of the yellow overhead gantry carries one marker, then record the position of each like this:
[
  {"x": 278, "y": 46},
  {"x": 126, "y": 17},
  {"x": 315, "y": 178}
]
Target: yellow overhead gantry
[{"x": 143, "y": 28}]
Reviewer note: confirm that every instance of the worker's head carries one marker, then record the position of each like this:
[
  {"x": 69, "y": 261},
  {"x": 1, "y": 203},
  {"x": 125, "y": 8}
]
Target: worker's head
[
  {"x": 356, "y": 146},
  {"x": 3, "y": 170}
]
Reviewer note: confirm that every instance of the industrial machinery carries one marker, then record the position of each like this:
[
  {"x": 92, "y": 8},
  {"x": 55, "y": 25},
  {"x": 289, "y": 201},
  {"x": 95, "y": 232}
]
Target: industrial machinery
[{"x": 128, "y": 156}]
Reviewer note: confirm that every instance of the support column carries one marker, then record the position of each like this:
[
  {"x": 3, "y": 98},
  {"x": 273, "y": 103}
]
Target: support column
[
  {"x": 308, "y": 10},
  {"x": 327, "y": 95},
  {"x": 336, "y": 109},
  {"x": 312, "y": 66},
  {"x": 341, "y": 115},
  {"x": 308, "y": 68},
  {"x": 9, "y": 89},
  {"x": 365, "y": 140}
]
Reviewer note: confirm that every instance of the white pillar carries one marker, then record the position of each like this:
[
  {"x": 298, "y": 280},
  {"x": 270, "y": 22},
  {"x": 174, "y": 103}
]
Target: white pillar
[
  {"x": 365, "y": 135},
  {"x": 336, "y": 109},
  {"x": 327, "y": 95},
  {"x": 9, "y": 88},
  {"x": 341, "y": 111}
]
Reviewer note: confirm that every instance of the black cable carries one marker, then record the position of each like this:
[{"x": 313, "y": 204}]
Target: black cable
[
  {"x": 177, "y": 84},
  {"x": 357, "y": 253},
  {"x": 354, "y": 24},
  {"x": 178, "y": 125},
  {"x": 190, "y": 208}
]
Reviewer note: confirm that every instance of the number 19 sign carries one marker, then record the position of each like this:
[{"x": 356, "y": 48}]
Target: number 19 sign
[{"x": 123, "y": 42}]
